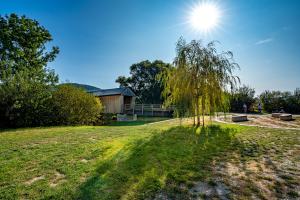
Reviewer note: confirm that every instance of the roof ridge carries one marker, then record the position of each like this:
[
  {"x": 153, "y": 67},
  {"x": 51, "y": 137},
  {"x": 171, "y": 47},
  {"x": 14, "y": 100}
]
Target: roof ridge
[{"x": 121, "y": 90}]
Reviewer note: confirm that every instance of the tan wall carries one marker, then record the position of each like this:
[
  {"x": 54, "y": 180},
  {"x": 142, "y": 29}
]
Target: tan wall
[
  {"x": 133, "y": 100},
  {"x": 112, "y": 104}
]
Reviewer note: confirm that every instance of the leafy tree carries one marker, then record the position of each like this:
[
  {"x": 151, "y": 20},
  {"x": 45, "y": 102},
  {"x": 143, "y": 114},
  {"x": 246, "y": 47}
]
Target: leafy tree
[
  {"x": 271, "y": 100},
  {"x": 274, "y": 101},
  {"x": 22, "y": 47},
  {"x": 198, "y": 84},
  {"x": 123, "y": 81},
  {"x": 241, "y": 96},
  {"x": 144, "y": 82},
  {"x": 73, "y": 106},
  {"x": 25, "y": 81},
  {"x": 295, "y": 102}
]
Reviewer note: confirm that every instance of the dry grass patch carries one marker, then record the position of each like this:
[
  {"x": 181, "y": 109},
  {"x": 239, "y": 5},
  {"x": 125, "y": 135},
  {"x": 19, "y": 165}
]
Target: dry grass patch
[
  {"x": 35, "y": 179},
  {"x": 58, "y": 179}
]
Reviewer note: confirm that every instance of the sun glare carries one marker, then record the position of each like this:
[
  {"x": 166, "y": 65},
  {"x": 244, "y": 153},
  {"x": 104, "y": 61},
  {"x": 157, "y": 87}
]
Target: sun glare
[{"x": 204, "y": 17}]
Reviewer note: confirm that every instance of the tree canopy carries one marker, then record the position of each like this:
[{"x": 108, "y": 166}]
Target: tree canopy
[
  {"x": 240, "y": 96},
  {"x": 23, "y": 48},
  {"x": 25, "y": 80},
  {"x": 198, "y": 83},
  {"x": 274, "y": 101},
  {"x": 144, "y": 82},
  {"x": 29, "y": 95}
]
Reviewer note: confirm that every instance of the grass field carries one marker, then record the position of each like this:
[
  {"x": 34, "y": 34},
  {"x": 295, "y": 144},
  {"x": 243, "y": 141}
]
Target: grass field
[{"x": 150, "y": 161}]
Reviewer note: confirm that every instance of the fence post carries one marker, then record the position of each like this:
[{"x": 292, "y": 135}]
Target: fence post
[
  {"x": 152, "y": 110},
  {"x": 142, "y": 109},
  {"x": 133, "y": 109}
]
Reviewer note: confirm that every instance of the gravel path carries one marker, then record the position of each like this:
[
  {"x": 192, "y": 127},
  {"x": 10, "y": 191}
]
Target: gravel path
[{"x": 263, "y": 121}]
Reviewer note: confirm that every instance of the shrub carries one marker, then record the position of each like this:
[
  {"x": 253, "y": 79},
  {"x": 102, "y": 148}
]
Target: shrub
[
  {"x": 107, "y": 118},
  {"x": 73, "y": 106},
  {"x": 24, "y": 101}
]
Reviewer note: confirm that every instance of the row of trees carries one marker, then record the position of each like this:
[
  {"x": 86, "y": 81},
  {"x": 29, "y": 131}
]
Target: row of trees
[
  {"x": 159, "y": 82},
  {"x": 29, "y": 95},
  {"x": 277, "y": 100},
  {"x": 271, "y": 101},
  {"x": 240, "y": 96}
]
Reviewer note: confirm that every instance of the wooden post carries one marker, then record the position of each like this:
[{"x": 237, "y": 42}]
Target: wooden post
[
  {"x": 142, "y": 109},
  {"x": 133, "y": 109},
  {"x": 152, "y": 110}
]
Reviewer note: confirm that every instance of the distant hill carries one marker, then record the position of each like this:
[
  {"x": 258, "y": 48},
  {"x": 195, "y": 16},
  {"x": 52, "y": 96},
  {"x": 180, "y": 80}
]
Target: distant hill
[{"x": 88, "y": 88}]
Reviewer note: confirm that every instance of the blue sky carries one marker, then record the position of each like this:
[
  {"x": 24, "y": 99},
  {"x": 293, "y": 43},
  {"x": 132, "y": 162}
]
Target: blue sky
[{"x": 100, "y": 39}]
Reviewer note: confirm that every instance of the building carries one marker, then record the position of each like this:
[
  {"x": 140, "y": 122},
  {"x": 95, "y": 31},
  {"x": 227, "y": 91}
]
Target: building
[
  {"x": 113, "y": 100},
  {"x": 122, "y": 101}
]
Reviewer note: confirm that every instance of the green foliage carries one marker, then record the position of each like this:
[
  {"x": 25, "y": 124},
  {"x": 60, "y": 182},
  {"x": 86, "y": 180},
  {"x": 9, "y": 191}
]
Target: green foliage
[
  {"x": 107, "y": 118},
  {"x": 28, "y": 96},
  {"x": 23, "y": 47},
  {"x": 73, "y": 106},
  {"x": 198, "y": 84},
  {"x": 24, "y": 101},
  {"x": 274, "y": 101},
  {"x": 143, "y": 80},
  {"x": 25, "y": 81},
  {"x": 241, "y": 96}
]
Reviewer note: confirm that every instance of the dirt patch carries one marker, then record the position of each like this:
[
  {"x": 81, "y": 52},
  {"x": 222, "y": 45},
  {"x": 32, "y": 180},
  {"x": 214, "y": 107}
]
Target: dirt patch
[
  {"x": 161, "y": 196},
  {"x": 202, "y": 188},
  {"x": 234, "y": 170},
  {"x": 264, "y": 188},
  {"x": 84, "y": 161},
  {"x": 263, "y": 121},
  {"x": 31, "y": 181},
  {"x": 93, "y": 139},
  {"x": 253, "y": 166},
  {"x": 266, "y": 178},
  {"x": 82, "y": 179},
  {"x": 215, "y": 190},
  {"x": 58, "y": 179},
  {"x": 270, "y": 121},
  {"x": 212, "y": 189}
]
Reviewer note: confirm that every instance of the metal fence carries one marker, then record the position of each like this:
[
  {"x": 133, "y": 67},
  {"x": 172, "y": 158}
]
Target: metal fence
[{"x": 148, "y": 109}]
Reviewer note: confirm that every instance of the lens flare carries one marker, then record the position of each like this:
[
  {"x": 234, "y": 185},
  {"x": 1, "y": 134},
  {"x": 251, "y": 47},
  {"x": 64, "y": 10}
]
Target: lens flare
[{"x": 204, "y": 17}]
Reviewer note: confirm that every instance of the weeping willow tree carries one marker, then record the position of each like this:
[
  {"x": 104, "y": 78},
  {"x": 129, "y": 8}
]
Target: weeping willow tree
[{"x": 200, "y": 80}]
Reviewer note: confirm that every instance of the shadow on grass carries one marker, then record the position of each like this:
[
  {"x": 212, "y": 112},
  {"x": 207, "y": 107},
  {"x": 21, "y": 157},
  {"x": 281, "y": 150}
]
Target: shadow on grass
[
  {"x": 140, "y": 121},
  {"x": 129, "y": 123},
  {"x": 160, "y": 162}
]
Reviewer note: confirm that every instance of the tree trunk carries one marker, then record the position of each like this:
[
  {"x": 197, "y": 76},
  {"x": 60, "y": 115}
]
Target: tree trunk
[
  {"x": 203, "y": 110},
  {"x": 198, "y": 113},
  {"x": 194, "y": 116}
]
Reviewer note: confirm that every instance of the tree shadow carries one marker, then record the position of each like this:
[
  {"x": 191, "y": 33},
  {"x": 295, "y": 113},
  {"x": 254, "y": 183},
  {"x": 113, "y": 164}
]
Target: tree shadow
[
  {"x": 162, "y": 161},
  {"x": 140, "y": 121}
]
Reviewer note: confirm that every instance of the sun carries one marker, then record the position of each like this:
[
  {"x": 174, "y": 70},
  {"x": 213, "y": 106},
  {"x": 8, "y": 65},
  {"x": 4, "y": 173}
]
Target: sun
[{"x": 204, "y": 16}]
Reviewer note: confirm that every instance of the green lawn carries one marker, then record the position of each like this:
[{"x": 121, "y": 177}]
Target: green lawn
[{"x": 149, "y": 161}]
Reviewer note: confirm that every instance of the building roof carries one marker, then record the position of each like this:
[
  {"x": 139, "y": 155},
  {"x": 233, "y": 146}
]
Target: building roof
[
  {"x": 126, "y": 91},
  {"x": 115, "y": 91}
]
